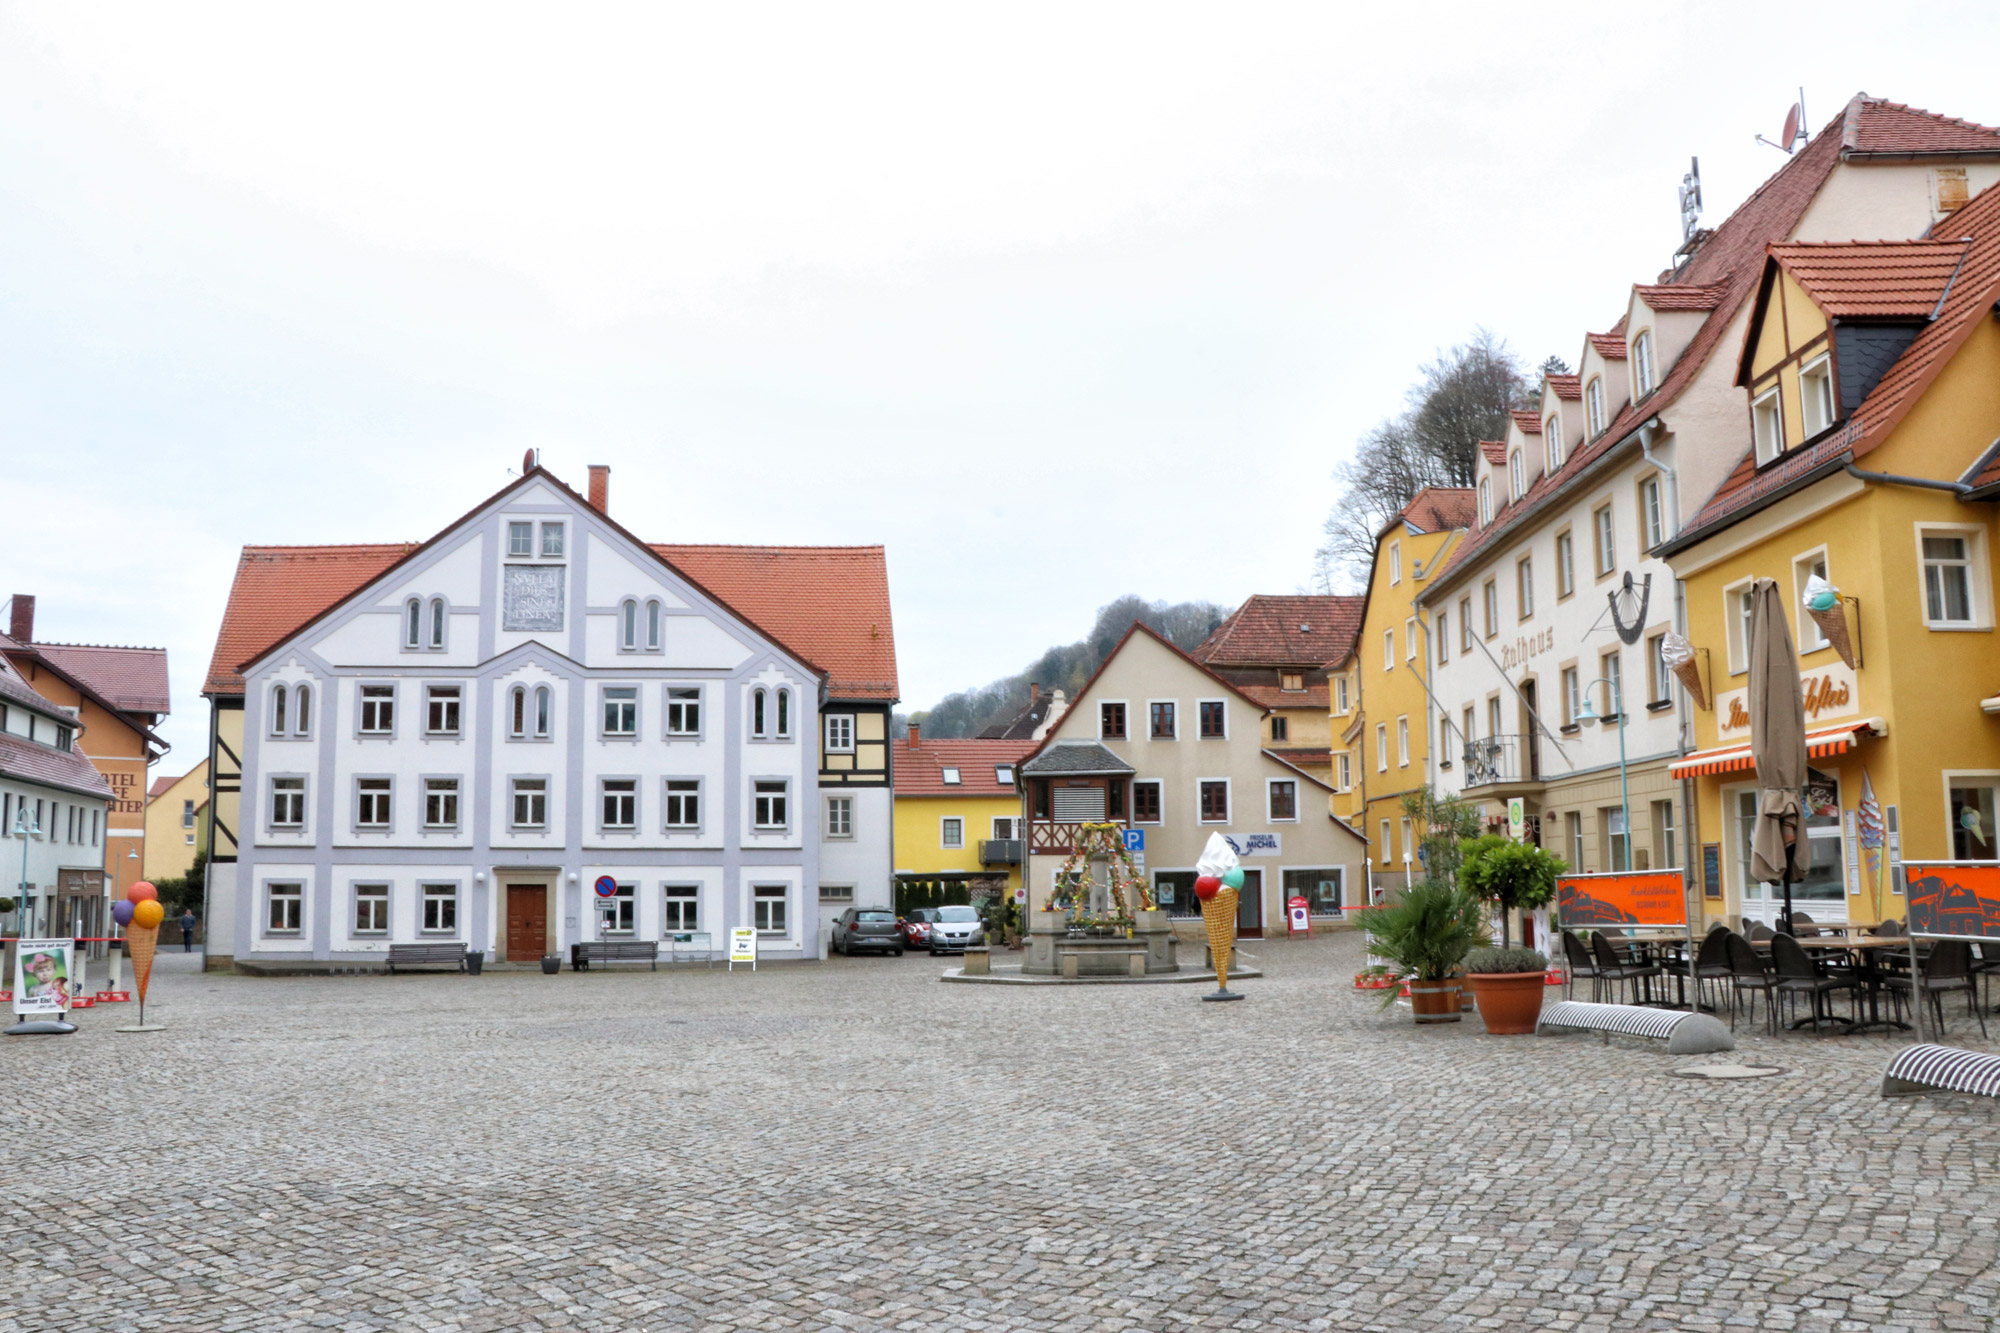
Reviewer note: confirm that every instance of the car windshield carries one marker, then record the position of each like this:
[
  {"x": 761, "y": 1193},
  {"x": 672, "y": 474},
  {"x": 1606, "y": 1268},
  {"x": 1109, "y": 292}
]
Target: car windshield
[
  {"x": 957, "y": 914},
  {"x": 878, "y": 916}
]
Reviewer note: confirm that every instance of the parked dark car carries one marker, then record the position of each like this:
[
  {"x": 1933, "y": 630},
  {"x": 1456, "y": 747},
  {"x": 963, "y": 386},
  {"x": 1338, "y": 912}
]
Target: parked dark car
[
  {"x": 955, "y": 929},
  {"x": 867, "y": 930},
  {"x": 916, "y": 926}
]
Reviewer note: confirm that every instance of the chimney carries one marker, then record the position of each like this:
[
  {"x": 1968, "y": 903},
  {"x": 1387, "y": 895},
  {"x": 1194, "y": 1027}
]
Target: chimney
[
  {"x": 600, "y": 488},
  {"x": 22, "y": 627},
  {"x": 916, "y": 734},
  {"x": 1034, "y": 693}
]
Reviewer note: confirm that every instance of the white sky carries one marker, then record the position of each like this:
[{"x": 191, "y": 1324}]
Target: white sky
[{"x": 1056, "y": 302}]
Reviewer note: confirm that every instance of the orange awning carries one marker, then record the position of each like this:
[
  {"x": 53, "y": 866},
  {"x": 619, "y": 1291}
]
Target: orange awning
[{"x": 1821, "y": 744}]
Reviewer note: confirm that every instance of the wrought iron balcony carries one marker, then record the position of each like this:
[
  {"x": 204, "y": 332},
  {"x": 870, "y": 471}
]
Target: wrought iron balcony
[
  {"x": 1001, "y": 851},
  {"x": 1498, "y": 760}
]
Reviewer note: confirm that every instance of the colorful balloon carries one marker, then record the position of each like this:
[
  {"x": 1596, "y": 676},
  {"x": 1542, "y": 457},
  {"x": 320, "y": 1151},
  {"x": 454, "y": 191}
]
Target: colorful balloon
[
  {"x": 1206, "y": 887},
  {"x": 148, "y": 914},
  {"x": 142, "y": 892},
  {"x": 121, "y": 912},
  {"x": 1233, "y": 877}
]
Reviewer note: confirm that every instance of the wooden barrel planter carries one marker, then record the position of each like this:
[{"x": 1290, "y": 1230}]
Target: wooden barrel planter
[{"x": 1434, "y": 1001}]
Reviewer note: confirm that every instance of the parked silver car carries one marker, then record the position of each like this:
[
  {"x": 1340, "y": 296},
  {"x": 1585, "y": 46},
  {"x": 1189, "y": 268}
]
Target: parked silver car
[
  {"x": 866, "y": 930},
  {"x": 954, "y": 929}
]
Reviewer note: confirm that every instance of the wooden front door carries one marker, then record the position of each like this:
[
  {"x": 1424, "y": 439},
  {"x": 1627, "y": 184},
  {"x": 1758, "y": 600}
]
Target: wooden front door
[
  {"x": 1250, "y": 906},
  {"x": 527, "y": 922}
]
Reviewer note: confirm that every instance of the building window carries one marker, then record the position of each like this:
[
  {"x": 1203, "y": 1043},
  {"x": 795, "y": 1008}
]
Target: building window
[
  {"x": 1611, "y": 667},
  {"x": 1210, "y": 719},
  {"x": 1642, "y": 362},
  {"x": 1386, "y": 844},
  {"x": 288, "y": 803},
  {"x": 1388, "y": 650},
  {"x": 840, "y": 816},
  {"x": 1565, "y": 565},
  {"x": 371, "y": 909},
  {"x": 1574, "y": 819},
  {"x": 620, "y": 802},
  {"x": 1659, "y": 679},
  {"x": 1952, "y": 588},
  {"x": 1972, "y": 821},
  {"x": 619, "y": 910},
  {"x": 683, "y": 907},
  {"x": 413, "y": 623},
  {"x": 1493, "y": 716},
  {"x": 302, "y": 711},
  {"x": 441, "y": 803},
  {"x": 1767, "y": 426},
  {"x": 1006, "y": 828},
  {"x": 840, "y": 733},
  {"x": 1517, "y": 477},
  {"x": 1111, "y": 721},
  {"x": 1395, "y": 563},
  {"x": 279, "y": 722},
  {"x": 552, "y": 539},
  {"x": 1340, "y": 693},
  {"x": 1146, "y": 803},
  {"x": 531, "y": 803},
  {"x": 1572, "y": 695},
  {"x": 1485, "y": 501},
  {"x": 1281, "y": 729},
  {"x": 1003, "y": 774},
  {"x": 784, "y": 714},
  {"x": 1652, "y": 514},
  {"x": 1606, "y": 548},
  {"x": 1524, "y": 585},
  {"x": 621, "y": 710},
  {"x": 1737, "y": 604},
  {"x": 283, "y": 908},
  {"x": 437, "y": 622},
  {"x": 517, "y": 712},
  {"x": 1284, "y": 800},
  {"x": 771, "y": 796},
  {"x": 1410, "y": 639},
  {"x": 1593, "y": 405},
  {"x": 1444, "y": 637},
  {"x": 759, "y": 706},
  {"x": 1343, "y": 769},
  {"x": 770, "y": 908},
  {"x": 683, "y": 711},
  {"x": 440, "y": 909},
  {"x": 1381, "y": 747},
  {"x": 1491, "y": 593},
  {"x": 1319, "y": 886},
  {"x": 683, "y": 804},
  {"x": 441, "y": 709},
  {"x": 520, "y": 539},
  {"x": 1611, "y": 819},
  {"x": 1403, "y": 742},
  {"x": 378, "y": 710},
  {"x": 1162, "y": 714},
  {"x": 1552, "y": 443},
  {"x": 951, "y": 833},
  {"x": 1292, "y": 682},
  {"x": 543, "y": 700},
  {"x": 628, "y": 625},
  {"x": 1465, "y": 626},
  {"x": 187, "y": 814},
  {"x": 1666, "y": 855},
  {"x": 1816, "y": 395},
  {"x": 373, "y": 799},
  {"x": 1214, "y": 801}
]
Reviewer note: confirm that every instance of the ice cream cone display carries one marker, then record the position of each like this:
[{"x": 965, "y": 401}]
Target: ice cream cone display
[
  {"x": 141, "y": 915},
  {"x": 1823, "y": 604},
  {"x": 1218, "y": 916},
  {"x": 1680, "y": 658},
  {"x": 1218, "y": 885}
]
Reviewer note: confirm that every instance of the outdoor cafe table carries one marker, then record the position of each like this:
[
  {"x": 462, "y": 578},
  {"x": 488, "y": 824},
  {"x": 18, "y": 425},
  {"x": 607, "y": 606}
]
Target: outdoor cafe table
[{"x": 1862, "y": 947}]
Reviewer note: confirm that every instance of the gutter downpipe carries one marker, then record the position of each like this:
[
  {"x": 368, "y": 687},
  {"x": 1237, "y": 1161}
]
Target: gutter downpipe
[
  {"x": 1690, "y": 807},
  {"x": 1893, "y": 479}
]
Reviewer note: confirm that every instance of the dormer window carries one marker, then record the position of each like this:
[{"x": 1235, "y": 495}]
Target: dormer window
[
  {"x": 951, "y": 778},
  {"x": 1816, "y": 395},
  {"x": 1642, "y": 363},
  {"x": 1292, "y": 682},
  {"x": 1485, "y": 501},
  {"x": 1767, "y": 426},
  {"x": 1593, "y": 405},
  {"x": 1552, "y": 442},
  {"x": 1517, "y": 476}
]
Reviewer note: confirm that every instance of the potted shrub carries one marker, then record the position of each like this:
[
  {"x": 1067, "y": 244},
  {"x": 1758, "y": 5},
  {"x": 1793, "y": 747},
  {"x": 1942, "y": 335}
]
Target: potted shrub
[
  {"x": 1508, "y": 983},
  {"x": 1516, "y": 876},
  {"x": 1426, "y": 931},
  {"x": 551, "y": 964}
]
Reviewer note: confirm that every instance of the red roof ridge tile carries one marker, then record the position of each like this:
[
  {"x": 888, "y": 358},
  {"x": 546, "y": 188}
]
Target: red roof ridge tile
[
  {"x": 1566, "y": 386},
  {"x": 1610, "y": 346},
  {"x": 1495, "y": 451},
  {"x": 1528, "y": 420},
  {"x": 1865, "y": 119}
]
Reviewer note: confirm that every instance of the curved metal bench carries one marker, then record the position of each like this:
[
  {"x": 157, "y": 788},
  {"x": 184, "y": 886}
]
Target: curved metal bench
[
  {"x": 1685, "y": 1033},
  {"x": 1921, "y": 1068}
]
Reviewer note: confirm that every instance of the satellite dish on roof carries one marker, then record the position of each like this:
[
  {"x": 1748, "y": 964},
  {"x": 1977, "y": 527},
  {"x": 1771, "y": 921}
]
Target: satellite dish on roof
[
  {"x": 1791, "y": 125},
  {"x": 1794, "y": 132}
]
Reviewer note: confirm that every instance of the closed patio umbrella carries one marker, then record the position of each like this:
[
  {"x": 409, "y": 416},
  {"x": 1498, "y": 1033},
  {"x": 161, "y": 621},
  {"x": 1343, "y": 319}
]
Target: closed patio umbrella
[{"x": 1777, "y": 743}]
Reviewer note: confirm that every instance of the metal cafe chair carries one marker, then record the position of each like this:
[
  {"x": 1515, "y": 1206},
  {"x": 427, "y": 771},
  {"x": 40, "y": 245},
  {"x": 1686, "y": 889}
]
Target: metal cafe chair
[
  {"x": 1798, "y": 976},
  {"x": 1711, "y": 960},
  {"x": 1747, "y": 973},
  {"x": 1760, "y": 932},
  {"x": 1611, "y": 968},
  {"x": 1581, "y": 964},
  {"x": 1949, "y": 968},
  {"x": 1803, "y": 925}
]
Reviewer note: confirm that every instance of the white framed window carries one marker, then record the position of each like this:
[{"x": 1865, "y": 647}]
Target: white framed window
[
  {"x": 1340, "y": 693},
  {"x": 1517, "y": 477},
  {"x": 628, "y": 625},
  {"x": 280, "y": 710},
  {"x": 302, "y": 701},
  {"x": 1603, "y": 539},
  {"x": 1642, "y": 364},
  {"x": 772, "y": 797},
  {"x": 1955, "y": 592},
  {"x": 1809, "y": 635},
  {"x": 840, "y": 817},
  {"x": 619, "y": 802},
  {"x": 544, "y": 712},
  {"x": 1468, "y": 723},
  {"x": 1381, "y": 747},
  {"x": 1652, "y": 513},
  {"x": 769, "y": 903},
  {"x": 683, "y": 710},
  {"x": 621, "y": 710},
  {"x": 1444, "y": 637},
  {"x": 1386, "y": 844},
  {"x": 371, "y": 909},
  {"x": 530, "y": 803},
  {"x": 441, "y": 709},
  {"x": 1666, "y": 852},
  {"x": 1212, "y": 796},
  {"x": 951, "y": 833},
  {"x": 683, "y": 804},
  {"x": 1485, "y": 501},
  {"x": 1465, "y": 626},
  {"x": 1611, "y": 667},
  {"x": 1211, "y": 719},
  {"x": 1816, "y": 395},
  {"x": 1006, "y": 828},
  {"x": 440, "y": 909},
  {"x": 1565, "y": 564},
  {"x": 620, "y": 909},
  {"x": 1767, "y": 425},
  {"x": 284, "y": 908},
  {"x": 1403, "y": 741},
  {"x": 437, "y": 622},
  {"x": 1003, "y": 775},
  {"x": 1388, "y": 650},
  {"x": 1148, "y": 801},
  {"x": 949, "y": 775},
  {"x": 441, "y": 803},
  {"x": 1572, "y": 695},
  {"x": 1163, "y": 719},
  {"x": 413, "y": 623},
  {"x": 1552, "y": 444},
  {"x": 683, "y": 907},
  {"x": 784, "y": 714},
  {"x": 288, "y": 803},
  {"x": 1970, "y": 808},
  {"x": 521, "y": 539},
  {"x": 1343, "y": 771},
  {"x": 374, "y": 803},
  {"x": 1490, "y": 591},
  {"x": 760, "y": 713},
  {"x": 1395, "y": 563},
  {"x": 1659, "y": 677},
  {"x": 1409, "y": 841},
  {"x": 1524, "y": 585},
  {"x": 1736, "y": 611},
  {"x": 840, "y": 733},
  {"x": 517, "y": 712},
  {"x": 378, "y": 710},
  {"x": 1410, "y": 639},
  {"x": 552, "y": 539},
  {"x": 1111, "y": 720},
  {"x": 1281, "y": 800},
  {"x": 655, "y": 627},
  {"x": 1493, "y": 715},
  {"x": 187, "y": 815},
  {"x": 1593, "y": 405}
]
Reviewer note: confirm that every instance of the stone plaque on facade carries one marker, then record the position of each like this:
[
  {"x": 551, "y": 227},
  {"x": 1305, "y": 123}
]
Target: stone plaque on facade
[{"x": 533, "y": 597}]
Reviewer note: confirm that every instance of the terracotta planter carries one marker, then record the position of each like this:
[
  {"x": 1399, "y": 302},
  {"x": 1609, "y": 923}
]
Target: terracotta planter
[
  {"x": 1509, "y": 1002},
  {"x": 1434, "y": 1001}
]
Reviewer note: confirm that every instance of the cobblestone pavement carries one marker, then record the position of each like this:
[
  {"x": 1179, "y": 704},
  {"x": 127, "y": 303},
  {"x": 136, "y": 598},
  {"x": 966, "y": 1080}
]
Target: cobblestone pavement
[{"x": 858, "y": 1146}]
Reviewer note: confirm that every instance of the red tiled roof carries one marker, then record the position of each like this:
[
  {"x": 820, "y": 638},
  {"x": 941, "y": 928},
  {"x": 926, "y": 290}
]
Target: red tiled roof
[
  {"x": 161, "y": 786},
  {"x": 1668, "y": 296},
  {"x": 1566, "y": 386},
  {"x": 71, "y": 770},
  {"x": 1610, "y": 346},
  {"x": 920, "y": 771},
  {"x": 1883, "y": 279},
  {"x": 1529, "y": 422},
  {"x": 1316, "y": 697},
  {"x": 278, "y": 589},
  {"x": 1441, "y": 508},
  {"x": 1871, "y": 125},
  {"x": 1495, "y": 451},
  {"x": 1273, "y": 630},
  {"x": 828, "y": 602},
  {"x": 134, "y": 679}
]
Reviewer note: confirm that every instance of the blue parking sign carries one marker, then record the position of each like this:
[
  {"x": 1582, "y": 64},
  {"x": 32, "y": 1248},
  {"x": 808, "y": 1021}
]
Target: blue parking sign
[{"x": 1135, "y": 840}]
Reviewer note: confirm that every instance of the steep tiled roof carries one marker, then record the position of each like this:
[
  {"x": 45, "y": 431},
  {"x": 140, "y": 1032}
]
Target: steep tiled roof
[
  {"x": 1671, "y": 297},
  {"x": 1610, "y": 346},
  {"x": 1566, "y": 386},
  {"x": 1441, "y": 508},
  {"x": 161, "y": 786},
  {"x": 1879, "y": 279},
  {"x": 1274, "y": 630},
  {"x": 280, "y": 588},
  {"x": 1495, "y": 451},
  {"x": 1871, "y": 125},
  {"x": 920, "y": 771},
  {"x": 134, "y": 679},
  {"x": 1969, "y": 298},
  {"x": 17, "y": 689},
  {"x": 70, "y": 770},
  {"x": 1021, "y": 726},
  {"x": 1527, "y": 420},
  {"x": 1066, "y": 756},
  {"x": 829, "y": 602}
]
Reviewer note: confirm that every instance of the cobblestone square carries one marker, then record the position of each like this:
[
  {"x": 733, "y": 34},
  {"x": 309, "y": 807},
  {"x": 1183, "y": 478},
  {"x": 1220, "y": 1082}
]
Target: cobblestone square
[{"x": 855, "y": 1145}]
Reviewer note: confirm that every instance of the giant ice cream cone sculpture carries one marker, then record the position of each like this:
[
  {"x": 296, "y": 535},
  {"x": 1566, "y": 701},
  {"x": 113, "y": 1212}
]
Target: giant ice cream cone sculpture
[
  {"x": 1823, "y": 604},
  {"x": 1218, "y": 884},
  {"x": 141, "y": 915},
  {"x": 1678, "y": 654},
  {"x": 1218, "y": 915}
]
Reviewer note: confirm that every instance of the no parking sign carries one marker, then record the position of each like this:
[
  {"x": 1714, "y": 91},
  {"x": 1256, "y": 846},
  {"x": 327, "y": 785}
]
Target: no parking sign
[
  {"x": 1298, "y": 916},
  {"x": 605, "y": 886}
]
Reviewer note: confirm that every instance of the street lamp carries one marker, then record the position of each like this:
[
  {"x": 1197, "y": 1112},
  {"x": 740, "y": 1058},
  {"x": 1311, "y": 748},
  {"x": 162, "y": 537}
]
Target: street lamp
[
  {"x": 23, "y": 827},
  {"x": 1588, "y": 713}
]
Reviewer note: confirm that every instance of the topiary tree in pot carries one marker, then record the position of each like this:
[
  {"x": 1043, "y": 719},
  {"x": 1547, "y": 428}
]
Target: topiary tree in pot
[
  {"x": 1426, "y": 931},
  {"x": 1515, "y": 875},
  {"x": 1508, "y": 985}
]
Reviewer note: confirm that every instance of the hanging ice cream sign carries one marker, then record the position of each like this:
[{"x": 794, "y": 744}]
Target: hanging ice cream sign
[{"x": 1830, "y": 693}]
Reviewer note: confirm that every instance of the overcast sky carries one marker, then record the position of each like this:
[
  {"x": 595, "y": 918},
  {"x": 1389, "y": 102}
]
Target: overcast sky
[{"x": 1056, "y": 303}]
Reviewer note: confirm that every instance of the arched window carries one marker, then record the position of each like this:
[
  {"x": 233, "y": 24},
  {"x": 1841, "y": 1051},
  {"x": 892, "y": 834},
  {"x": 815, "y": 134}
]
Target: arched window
[
  {"x": 1593, "y": 404},
  {"x": 1642, "y": 362},
  {"x": 278, "y": 711},
  {"x": 542, "y": 701},
  {"x": 784, "y": 712},
  {"x": 1517, "y": 475},
  {"x": 517, "y": 711},
  {"x": 437, "y": 622},
  {"x": 413, "y": 623},
  {"x": 1552, "y": 442},
  {"x": 653, "y": 627},
  {"x": 756, "y": 712},
  {"x": 1485, "y": 501},
  {"x": 628, "y": 622},
  {"x": 302, "y": 710}
]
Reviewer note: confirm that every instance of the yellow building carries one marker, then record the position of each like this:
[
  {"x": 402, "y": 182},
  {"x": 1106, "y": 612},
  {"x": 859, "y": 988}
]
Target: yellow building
[
  {"x": 1381, "y": 716},
  {"x": 1873, "y": 389},
  {"x": 958, "y": 819},
  {"x": 176, "y": 821}
]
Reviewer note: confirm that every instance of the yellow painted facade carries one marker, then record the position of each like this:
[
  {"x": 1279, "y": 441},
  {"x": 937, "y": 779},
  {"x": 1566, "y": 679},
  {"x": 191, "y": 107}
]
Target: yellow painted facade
[
  {"x": 176, "y": 825},
  {"x": 1932, "y": 752},
  {"x": 922, "y": 834}
]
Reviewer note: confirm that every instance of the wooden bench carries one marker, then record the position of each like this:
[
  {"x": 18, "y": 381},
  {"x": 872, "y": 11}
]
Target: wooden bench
[
  {"x": 427, "y": 955},
  {"x": 582, "y": 955}
]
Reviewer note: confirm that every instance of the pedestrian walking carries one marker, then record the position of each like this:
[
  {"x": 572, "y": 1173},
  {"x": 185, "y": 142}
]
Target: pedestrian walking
[{"x": 187, "y": 930}]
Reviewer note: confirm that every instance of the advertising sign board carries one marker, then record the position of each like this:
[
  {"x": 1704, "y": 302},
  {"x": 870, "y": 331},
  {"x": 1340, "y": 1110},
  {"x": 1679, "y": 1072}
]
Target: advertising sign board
[
  {"x": 743, "y": 946},
  {"x": 46, "y": 976},
  {"x": 1622, "y": 898},
  {"x": 1952, "y": 899}
]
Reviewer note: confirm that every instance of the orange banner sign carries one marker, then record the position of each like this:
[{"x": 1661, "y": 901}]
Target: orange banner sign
[
  {"x": 1634, "y": 898},
  {"x": 1953, "y": 898}
]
